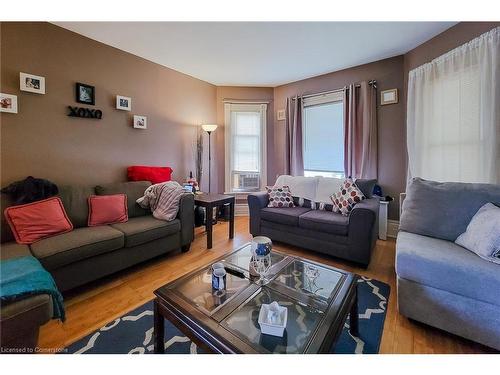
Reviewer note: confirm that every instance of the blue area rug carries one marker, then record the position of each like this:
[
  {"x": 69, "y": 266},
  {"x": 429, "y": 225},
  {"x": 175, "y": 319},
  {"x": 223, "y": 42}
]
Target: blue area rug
[{"x": 133, "y": 332}]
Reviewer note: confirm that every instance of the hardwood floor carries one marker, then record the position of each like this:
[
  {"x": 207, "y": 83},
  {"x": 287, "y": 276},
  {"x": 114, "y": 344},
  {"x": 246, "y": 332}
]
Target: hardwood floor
[{"x": 90, "y": 307}]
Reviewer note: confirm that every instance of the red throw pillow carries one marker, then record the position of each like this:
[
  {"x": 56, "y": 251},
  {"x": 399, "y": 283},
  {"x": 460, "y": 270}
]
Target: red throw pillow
[
  {"x": 33, "y": 221},
  {"x": 153, "y": 174},
  {"x": 107, "y": 209}
]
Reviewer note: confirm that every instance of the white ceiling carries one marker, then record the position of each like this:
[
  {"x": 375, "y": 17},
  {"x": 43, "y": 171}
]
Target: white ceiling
[{"x": 260, "y": 53}]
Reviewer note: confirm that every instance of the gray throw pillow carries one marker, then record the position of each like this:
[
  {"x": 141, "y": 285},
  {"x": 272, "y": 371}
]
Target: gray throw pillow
[{"x": 483, "y": 233}]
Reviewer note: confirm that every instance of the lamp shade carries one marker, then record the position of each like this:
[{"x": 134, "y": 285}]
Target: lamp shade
[{"x": 209, "y": 127}]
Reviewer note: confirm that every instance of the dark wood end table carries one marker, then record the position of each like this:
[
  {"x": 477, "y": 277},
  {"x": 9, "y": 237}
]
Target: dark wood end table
[{"x": 210, "y": 201}]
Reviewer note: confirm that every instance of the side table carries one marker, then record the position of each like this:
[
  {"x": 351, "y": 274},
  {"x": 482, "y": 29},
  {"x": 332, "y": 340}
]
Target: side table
[{"x": 210, "y": 201}]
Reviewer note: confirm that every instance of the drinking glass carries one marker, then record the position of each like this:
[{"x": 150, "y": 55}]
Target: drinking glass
[{"x": 262, "y": 264}]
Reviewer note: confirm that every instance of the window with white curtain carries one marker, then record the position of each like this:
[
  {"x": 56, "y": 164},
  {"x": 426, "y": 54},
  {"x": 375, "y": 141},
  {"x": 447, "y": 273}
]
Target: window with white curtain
[
  {"x": 453, "y": 125},
  {"x": 323, "y": 135},
  {"x": 245, "y": 126}
]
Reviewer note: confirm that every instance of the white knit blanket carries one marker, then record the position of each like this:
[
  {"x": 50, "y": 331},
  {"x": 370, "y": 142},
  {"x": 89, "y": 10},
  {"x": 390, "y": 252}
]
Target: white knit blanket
[{"x": 163, "y": 199}]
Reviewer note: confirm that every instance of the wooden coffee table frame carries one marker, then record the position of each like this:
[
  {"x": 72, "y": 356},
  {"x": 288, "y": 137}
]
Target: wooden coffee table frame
[{"x": 207, "y": 332}]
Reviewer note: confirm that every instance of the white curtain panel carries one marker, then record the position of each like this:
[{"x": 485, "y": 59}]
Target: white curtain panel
[{"x": 453, "y": 117}]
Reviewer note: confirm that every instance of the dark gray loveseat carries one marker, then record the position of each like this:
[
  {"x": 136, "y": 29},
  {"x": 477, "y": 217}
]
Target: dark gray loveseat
[{"x": 352, "y": 238}]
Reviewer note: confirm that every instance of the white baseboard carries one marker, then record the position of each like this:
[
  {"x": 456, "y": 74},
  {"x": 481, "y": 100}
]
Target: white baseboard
[
  {"x": 392, "y": 228},
  {"x": 241, "y": 209}
]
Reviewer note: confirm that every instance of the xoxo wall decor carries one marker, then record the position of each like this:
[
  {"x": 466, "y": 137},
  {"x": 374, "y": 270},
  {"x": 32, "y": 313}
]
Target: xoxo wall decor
[{"x": 84, "y": 112}]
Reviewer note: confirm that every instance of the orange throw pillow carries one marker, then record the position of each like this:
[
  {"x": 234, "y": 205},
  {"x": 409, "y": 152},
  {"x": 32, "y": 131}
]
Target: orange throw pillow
[
  {"x": 33, "y": 221},
  {"x": 107, "y": 209}
]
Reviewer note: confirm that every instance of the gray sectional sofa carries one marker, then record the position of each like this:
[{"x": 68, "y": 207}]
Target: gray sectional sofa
[
  {"x": 89, "y": 253},
  {"x": 440, "y": 283},
  {"x": 350, "y": 237}
]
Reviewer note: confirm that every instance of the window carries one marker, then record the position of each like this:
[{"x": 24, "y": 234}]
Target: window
[
  {"x": 452, "y": 114},
  {"x": 245, "y": 147},
  {"x": 323, "y": 135}
]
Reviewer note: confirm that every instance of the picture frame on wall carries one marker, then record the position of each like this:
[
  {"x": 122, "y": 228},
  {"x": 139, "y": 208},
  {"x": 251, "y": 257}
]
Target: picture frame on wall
[
  {"x": 140, "y": 122},
  {"x": 8, "y": 103},
  {"x": 280, "y": 115},
  {"x": 31, "y": 83},
  {"x": 85, "y": 94},
  {"x": 389, "y": 97},
  {"x": 124, "y": 103}
]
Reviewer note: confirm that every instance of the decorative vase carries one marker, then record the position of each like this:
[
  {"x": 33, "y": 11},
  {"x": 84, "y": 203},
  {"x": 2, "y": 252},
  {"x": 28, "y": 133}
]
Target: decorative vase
[{"x": 261, "y": 245}]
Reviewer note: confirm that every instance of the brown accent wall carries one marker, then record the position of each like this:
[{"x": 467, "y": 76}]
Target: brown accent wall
[
  {"x": 41, "y": 140},
  {"x": 391, "y": 150},
  {"x": 244, "y": 94}
]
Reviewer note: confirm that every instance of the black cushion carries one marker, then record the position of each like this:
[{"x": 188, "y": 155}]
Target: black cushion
[
  {"x": 325, "y": 221},
  {"x": 366, "y": 186},
  {"x": 285, "y": 215}
]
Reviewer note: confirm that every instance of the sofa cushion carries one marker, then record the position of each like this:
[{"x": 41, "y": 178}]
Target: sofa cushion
[
  {"x": 279, "y": 196},
  {"x": 133, "y": 189},
  {"x": 14, "y": 250},
  {"x": 324, "y": 221},
  {"x": 139, "y": 230},
  {"x": 444, "y": 209},
  {"x": 34, "y": 221},
  {"x": 483, "y": 234},
  {"x": 287, "y": 216},
  {"x": 107, "y": 209},
  {"x": 348, "y": 196},
  {"x": 78, "y": 244},
  {"x": 22, "y": 316},
  {"x": 153, "y": 174},
  {"x": 366, "y": 186},
  {"x": 444, "y": 265},
  {"x": 75, "y": 203}
]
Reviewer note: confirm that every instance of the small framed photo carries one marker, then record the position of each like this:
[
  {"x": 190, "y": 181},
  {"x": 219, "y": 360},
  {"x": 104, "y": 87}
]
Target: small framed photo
[
  {"x": 8, "y": 103},
  {"x": 280, "y": 115},
  {"x": 31, "y": 83},
  {"x": 389, "y": 96},
  {"x": 124, "y": 103},
  {"x": 85, "y": 93},
  {"x": 140, "y": 122}
]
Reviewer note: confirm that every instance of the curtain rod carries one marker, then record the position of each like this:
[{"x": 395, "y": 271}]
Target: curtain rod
[
  {"x": 249, "y": 101},
  {"x": 371, "y": 82}
]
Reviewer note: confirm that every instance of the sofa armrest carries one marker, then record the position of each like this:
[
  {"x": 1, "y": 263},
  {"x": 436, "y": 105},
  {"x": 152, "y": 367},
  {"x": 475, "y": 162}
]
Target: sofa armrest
[
  {"x": 256, "y": 202},
  {"x": 186, "y": 216},
  {"x": 363, "y": 226}
]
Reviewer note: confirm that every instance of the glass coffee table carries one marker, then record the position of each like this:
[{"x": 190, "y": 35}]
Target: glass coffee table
[{"x": 318, "y": 299}]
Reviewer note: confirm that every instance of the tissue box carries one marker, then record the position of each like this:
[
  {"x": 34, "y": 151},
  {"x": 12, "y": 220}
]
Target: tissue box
[{"x": 272, "y": 329}]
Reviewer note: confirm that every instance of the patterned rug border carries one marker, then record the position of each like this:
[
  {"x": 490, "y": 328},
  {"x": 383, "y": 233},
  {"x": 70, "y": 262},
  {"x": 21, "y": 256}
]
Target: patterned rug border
[{"x": 180, "y": 344}]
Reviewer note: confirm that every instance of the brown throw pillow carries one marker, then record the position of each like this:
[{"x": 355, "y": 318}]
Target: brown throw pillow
[
  {"x": 279, "y": 196},
  {"x": 348, "y": 196}
]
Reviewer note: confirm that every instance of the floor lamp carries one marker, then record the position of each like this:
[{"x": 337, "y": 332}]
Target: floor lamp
[{"x": 209, "y": 129}]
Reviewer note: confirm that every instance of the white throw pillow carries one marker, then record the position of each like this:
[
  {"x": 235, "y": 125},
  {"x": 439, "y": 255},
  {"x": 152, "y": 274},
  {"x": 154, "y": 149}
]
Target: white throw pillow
[{"x": 482, "y": 235}]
